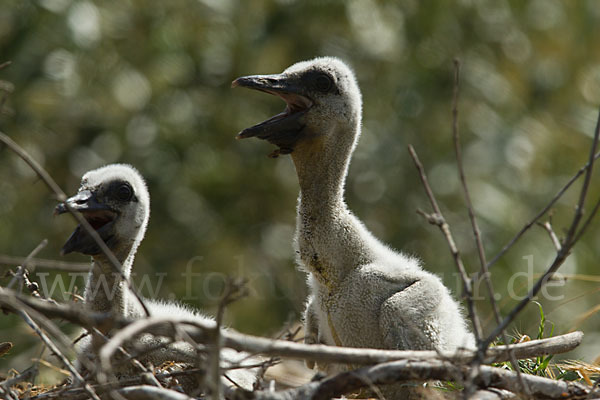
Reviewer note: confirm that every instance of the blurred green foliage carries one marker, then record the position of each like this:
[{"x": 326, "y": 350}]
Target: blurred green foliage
[{"x": 148, "y": 83}]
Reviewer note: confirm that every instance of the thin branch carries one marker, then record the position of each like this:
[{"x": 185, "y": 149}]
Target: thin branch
[
  {"x": 463, "y": 180},
  {"x": 7, "y": 87},
  {"x": 484, "y": 272},
  {"x": 233, "y": 291},
  {"x": 124, "y": 352},
  {"x": 566, "y": 245},
  {"x": 59, "y": 354},
  {"x": 40, "y": 263},
  {"x": 41, "y": 172},
  {"x": 61, "y": 197},
  {"x": 461, "y": 170},
  {"x": 12, "y": 301},
  {"x": 541, "y": 213},
  {"x": 34, "y": 252},
  {"x": 27, "y": 375},
  {"x": 584, "y": 188},
  {"x": 438, "y": 219},
  {"x": 22, "y": 269},
  {"x": 548, "y": 228},
  {"x": 587, "y": 222},
  {"x": 72, "y": 393}
]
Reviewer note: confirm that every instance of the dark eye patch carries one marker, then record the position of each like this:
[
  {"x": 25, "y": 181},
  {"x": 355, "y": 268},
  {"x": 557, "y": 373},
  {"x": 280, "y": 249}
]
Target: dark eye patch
[
  {"x": 121, "y": 191},
  {"x": 323, "y": 83},
  {"x": 319, "y": 80},
  {"x": 124, "y": 192}
]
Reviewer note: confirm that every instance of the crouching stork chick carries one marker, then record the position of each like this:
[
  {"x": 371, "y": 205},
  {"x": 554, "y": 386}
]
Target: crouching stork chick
[
  {"x": 115, "y": 201},
  {"x": 362, "y": 293}
]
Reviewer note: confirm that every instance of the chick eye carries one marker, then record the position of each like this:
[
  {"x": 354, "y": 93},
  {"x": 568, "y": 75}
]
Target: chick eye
[
  {"x": 323, "y": 83},
  {"x": 124, "y": 192}
]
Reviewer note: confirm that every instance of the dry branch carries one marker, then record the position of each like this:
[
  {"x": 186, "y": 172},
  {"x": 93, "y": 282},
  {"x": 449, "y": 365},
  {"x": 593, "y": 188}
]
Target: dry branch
[
  {"x": 27, "y": 375},
  {"x": 52, "y": 346},
  {"x": 566, "y": 245},
  {"x": 40, "y": 263},
  {"x": 541, "y": 213},
  {"x": 199, "y": 331},
  {"x": 548, "y": 228},
  {"x": 410, "y": 370},
  {"x": 484, "y": 271}
]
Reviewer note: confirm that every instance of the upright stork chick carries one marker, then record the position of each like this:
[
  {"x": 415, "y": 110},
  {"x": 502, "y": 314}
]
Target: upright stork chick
[
  {"x": 115, "y": 201},
  {"x": 362, "y": 293}
]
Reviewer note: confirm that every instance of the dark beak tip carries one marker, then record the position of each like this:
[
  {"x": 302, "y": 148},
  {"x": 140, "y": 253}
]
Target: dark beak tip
[
  {"x": 245, "y": 134},
  {"x": 59, "y": 209}
]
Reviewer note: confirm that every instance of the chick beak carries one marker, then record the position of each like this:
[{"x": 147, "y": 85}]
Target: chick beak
[
  {"x": 100, "y": 216},
  {"x": 284, "y": 129},
  {"x": 82, "y": 201}
]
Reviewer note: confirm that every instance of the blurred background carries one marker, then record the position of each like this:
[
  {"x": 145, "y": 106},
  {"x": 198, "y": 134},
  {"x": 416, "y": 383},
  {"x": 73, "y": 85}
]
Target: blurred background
[{"x": 148, "y": 83}]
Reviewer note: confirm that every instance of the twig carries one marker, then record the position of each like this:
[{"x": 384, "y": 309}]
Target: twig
[
  {"x": 548, "y": 228},
  {"x": 26, "y": 375},
  {"x": 137, "y": 391},
  {"x": 7, "y": 87},
  {"x": 461, "y": 172},
  {"x": 12, "y": 301},
  {"x": 22, "y": 269},
  {"x": 129, "y": 357},
  {"x": 61, "y": 197},
  {"x": 566, "y": 245},
  {"x": 213, "y": 377},
  {"x": 233, "y": 291},
  {"x": 484, "y": 272},
  {"x": 40, "y": 263},
  {"x": 587, "y": 222},
  {"x": 33, "y": 287},
  {"x": 59, "y": 354},
  {"x": 584, "y": 188},
  {"x": 438, "y": 219},
  {"x": 34, "y": 252},
  {"x": 541, "y": 213}
]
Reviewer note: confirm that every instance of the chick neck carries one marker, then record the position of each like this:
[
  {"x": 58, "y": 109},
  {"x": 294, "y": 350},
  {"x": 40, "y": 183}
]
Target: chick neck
[
  {"x": 106, "y": 289},
  {"x": 331, "y": 241}
]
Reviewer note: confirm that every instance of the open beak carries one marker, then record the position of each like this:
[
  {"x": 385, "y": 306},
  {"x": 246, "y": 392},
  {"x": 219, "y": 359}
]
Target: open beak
[
  {"x": 100, "y": 216},
  {"x": 284, "y": 129}
]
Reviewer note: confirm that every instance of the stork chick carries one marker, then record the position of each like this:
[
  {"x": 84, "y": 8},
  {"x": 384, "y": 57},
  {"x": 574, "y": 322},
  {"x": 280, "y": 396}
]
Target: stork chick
[
  {"x": 115, "y": 201},
  {"x": 362, "y": 293}
]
